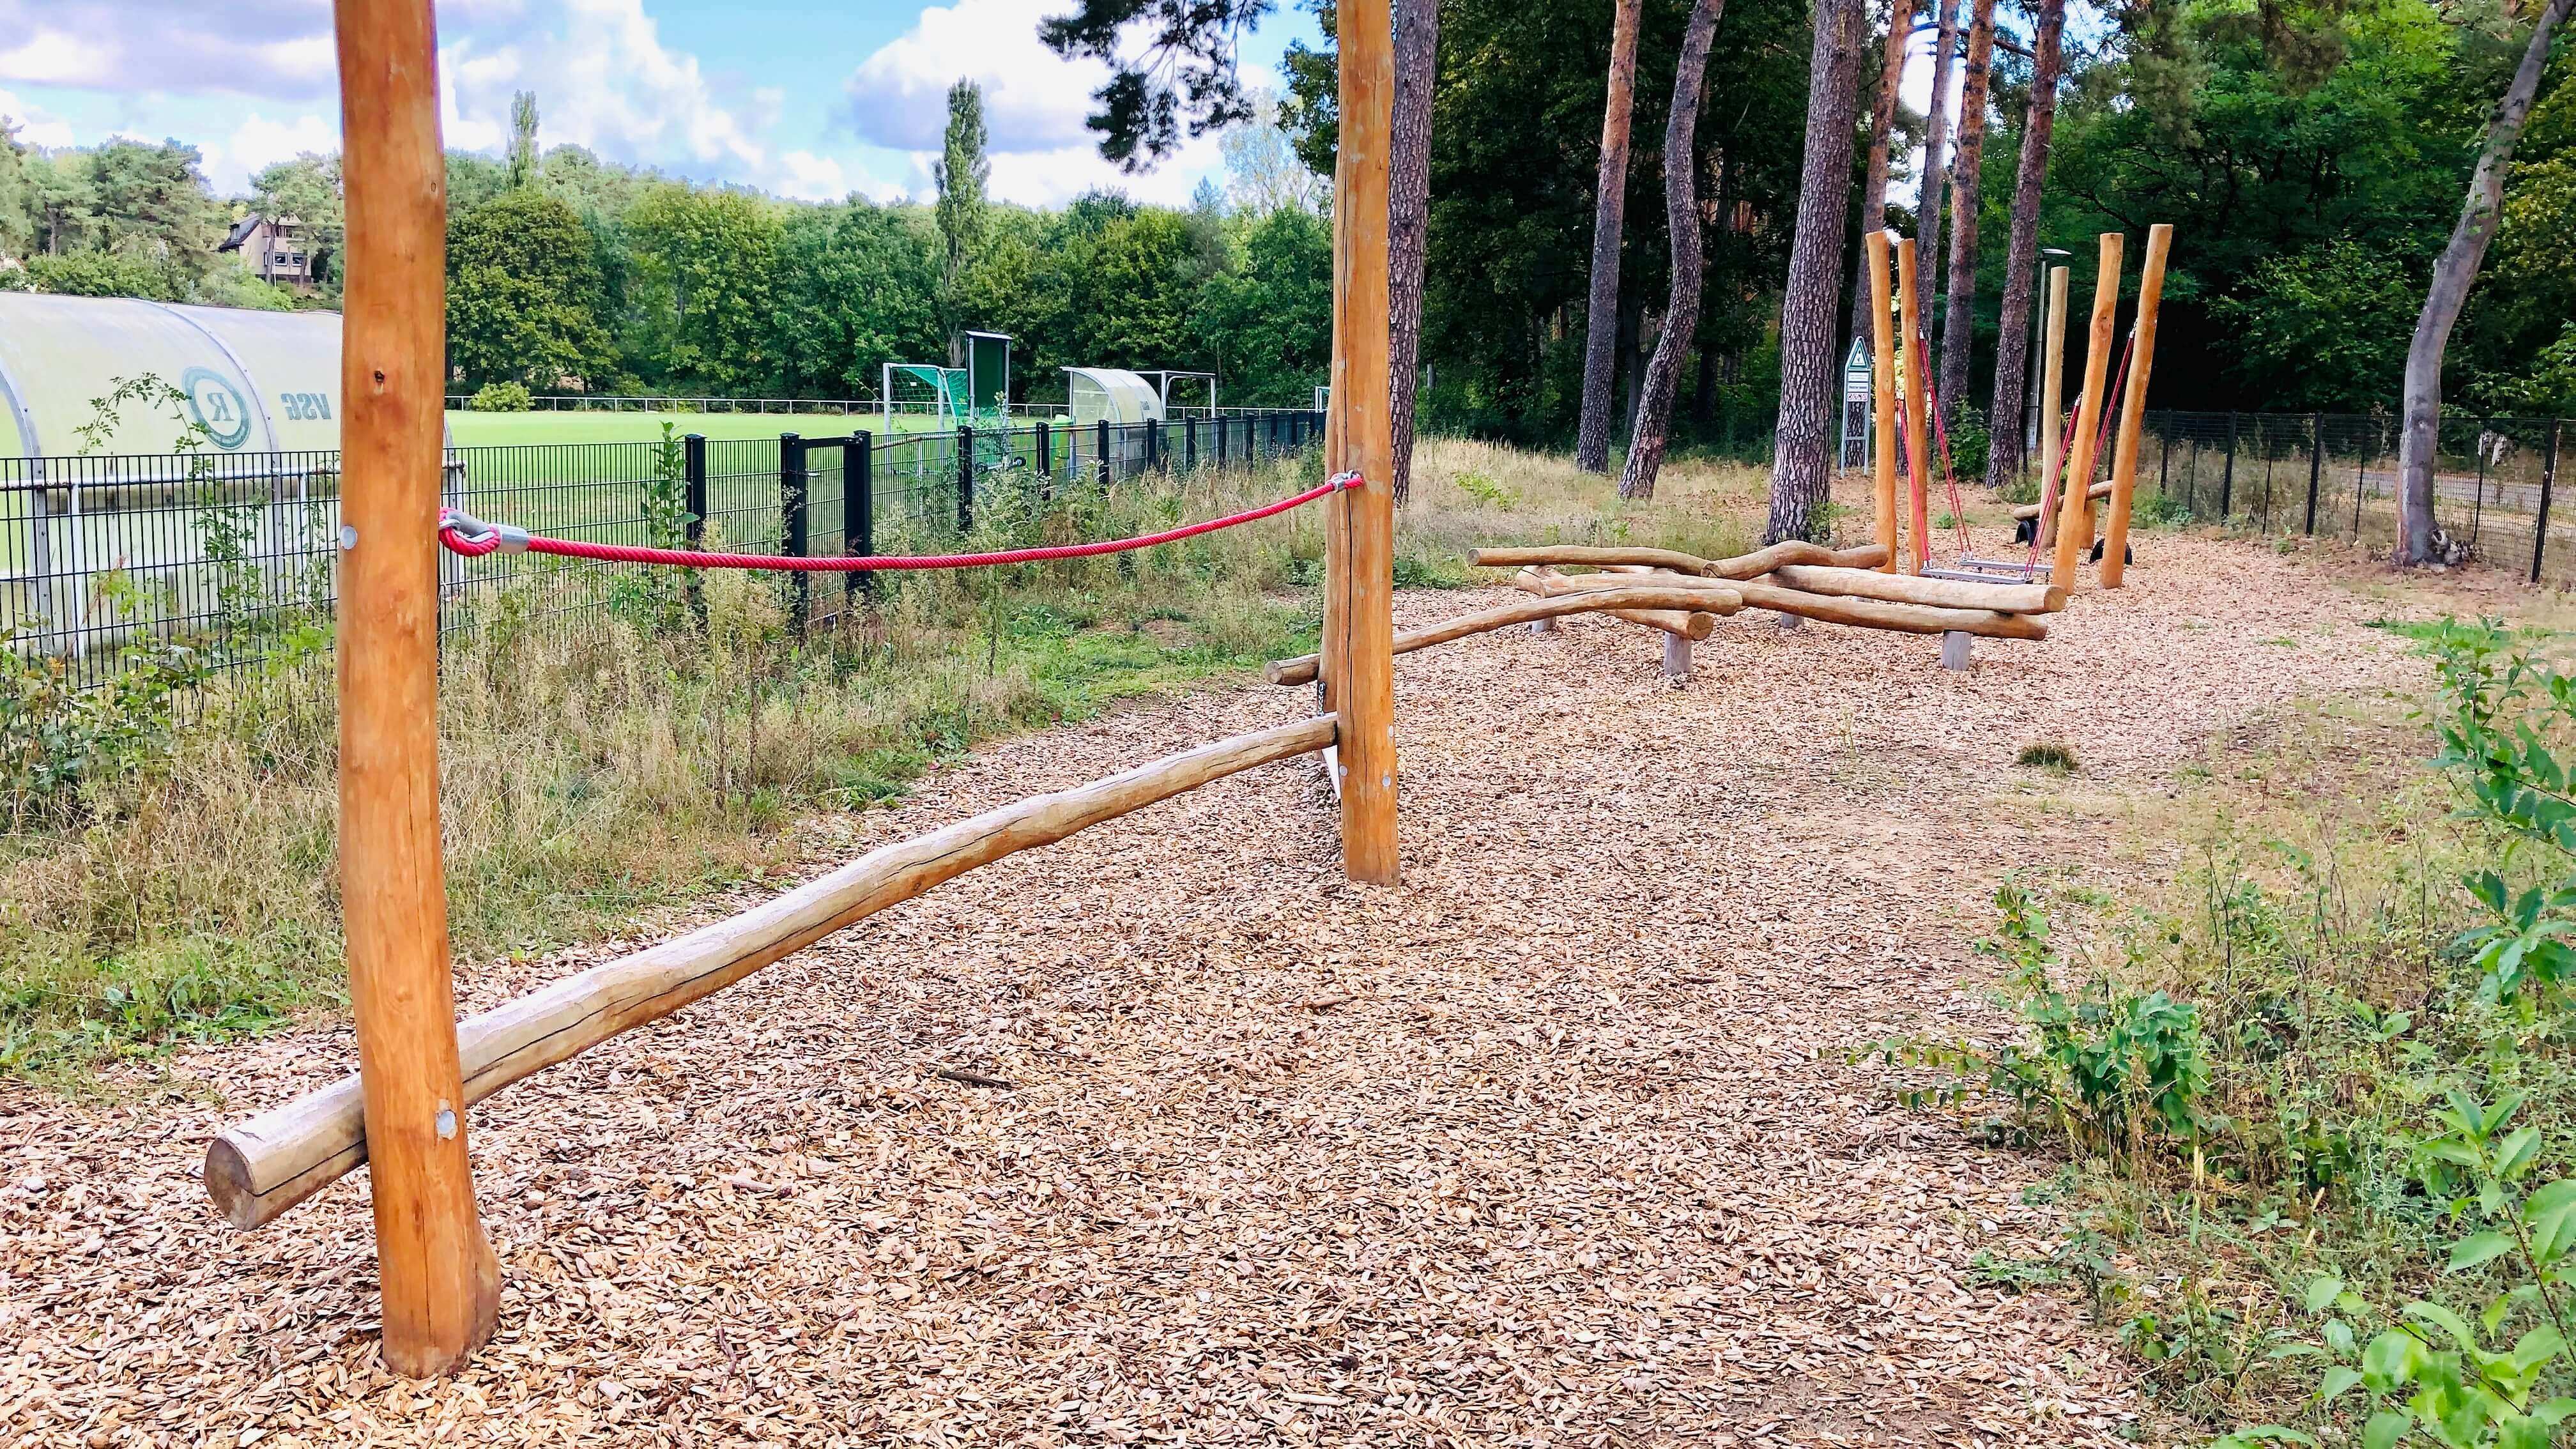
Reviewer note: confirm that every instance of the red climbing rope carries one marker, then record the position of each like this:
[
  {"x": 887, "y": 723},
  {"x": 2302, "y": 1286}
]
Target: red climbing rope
[{"x": 472, "y": 537}]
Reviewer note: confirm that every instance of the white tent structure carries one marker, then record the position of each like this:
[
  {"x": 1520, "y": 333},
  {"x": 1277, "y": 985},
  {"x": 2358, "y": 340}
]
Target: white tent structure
[
  {"x": 259, "y": 382},
  {"x": 1112, "y": 395}
]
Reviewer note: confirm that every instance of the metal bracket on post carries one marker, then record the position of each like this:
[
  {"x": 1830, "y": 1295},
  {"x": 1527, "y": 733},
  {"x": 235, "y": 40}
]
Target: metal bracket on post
[
  {"x": 858, "y": 513},
  {"x": 794, "y": 517}
]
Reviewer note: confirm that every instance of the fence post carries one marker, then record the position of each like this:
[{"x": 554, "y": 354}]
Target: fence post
[
  {"x": 2548, "y": 478},
  {"x": 794, "y": 517},
  {"x": 1105, "y": 475},
  {"x": 965, "y": 478},
  {"x": 693, "y": 468},
  {"x": 1221, "y": 450},
  {"x": 1045, "y": 451},
  {"x": 859, "y": 513},
  {"x": 1189, "y": 445},
  {"x": 2227, "y": 475},
  {"x": 2316, "y": 467}
]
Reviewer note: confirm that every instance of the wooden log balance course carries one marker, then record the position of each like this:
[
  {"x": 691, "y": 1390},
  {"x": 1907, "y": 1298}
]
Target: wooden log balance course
[
  {"x": 1865, "y": 613},
  {"x": 1743, "y": 566},
  {"x": 2024, "y": 512},
  {"x": 1619, "y": 592},
  {"x": 259, "y": 1169},
  {"x": 1693, "y": 626}
]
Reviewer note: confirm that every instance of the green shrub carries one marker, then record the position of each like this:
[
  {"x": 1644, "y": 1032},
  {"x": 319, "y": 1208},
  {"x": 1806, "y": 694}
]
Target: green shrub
[
  {"x": 2047, "y": 755},
  {"x": 501, "y": 397},
  {"x": 2159, "y": 510}
]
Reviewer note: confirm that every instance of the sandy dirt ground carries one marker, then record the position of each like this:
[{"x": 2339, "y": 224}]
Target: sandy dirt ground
[{"x": 1559, "y": 1142}]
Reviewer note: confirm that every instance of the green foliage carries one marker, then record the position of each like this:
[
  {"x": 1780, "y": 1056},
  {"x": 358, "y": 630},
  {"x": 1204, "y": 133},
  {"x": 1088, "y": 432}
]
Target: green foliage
[
  {"x": 2106, "y": 1069},
  {"x": 500, "y": 397},
  {"x": 2047, "y": 755},
  {"x": 59, "y": 737},
  {"x": 102, "y": 274},
  {"x": 523, "y": 294},
  {"x": 706, "y": 274},
  {"x": 1970, "y": 442},
  {"x": 960, "y": 174},
  {"x": 2326, "y": 328}
]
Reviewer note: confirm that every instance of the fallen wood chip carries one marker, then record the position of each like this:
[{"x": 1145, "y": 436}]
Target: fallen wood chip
[
  {"x": 977, "y": 1079},
  {"x": 1321, "y": 1401},
  {"x": 748, "y": 1183},
  {"x": 1325, "y": 1003}
]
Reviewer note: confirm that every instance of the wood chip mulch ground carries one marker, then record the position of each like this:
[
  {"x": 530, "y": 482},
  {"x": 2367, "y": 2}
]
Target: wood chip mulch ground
[{"x": 1167, "y": 1134}]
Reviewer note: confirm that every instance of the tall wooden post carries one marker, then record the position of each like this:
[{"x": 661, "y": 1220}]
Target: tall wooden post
[
  {"x": 1918, "y": 458},
  {"x": 441, "y": 1286},
  {"x": 1882, "y": 392},
  {"x": 2075, "y": 516},
  {"x": 1359, "y": 556},
  {"x": 2133, "y": 406},
  {"x": 2052, "y": 398}
]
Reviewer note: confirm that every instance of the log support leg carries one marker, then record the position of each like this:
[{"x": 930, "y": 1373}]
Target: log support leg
[
  {"x": 1542, "y": 626},
  {"x": 1956, "y": 647},
  {"x": 1677, "y": 660}
]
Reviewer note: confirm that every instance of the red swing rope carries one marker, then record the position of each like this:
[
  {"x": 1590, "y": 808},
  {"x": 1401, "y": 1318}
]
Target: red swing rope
[
  {"x": 473, "y": 538},
  {"x": 2066, "y": 450}
]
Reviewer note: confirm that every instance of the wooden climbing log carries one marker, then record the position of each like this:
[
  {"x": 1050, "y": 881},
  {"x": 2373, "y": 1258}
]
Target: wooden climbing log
[
  {"x": 1693, "y": 626},
  {"x": 1743, "y": 566},
  {"x": 1690, "y": 595},
  {"x": 1586, "y": 555},
  {"x": 1863, "y": 612},
  {"x": 2096, "y": 493},
  {"x": 262, "y": 1167},
  {"x": 1882, "y": 614},
  {"x": 2001, "y": 598}
]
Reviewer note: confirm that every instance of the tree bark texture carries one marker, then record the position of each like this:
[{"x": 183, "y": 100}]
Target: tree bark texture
[
  {"x": 2005, "y": 460},
  {"x": 1882, "y": 133},
  {"x": 1417, "y": 48},
  {"x": 1811, "y": 307},
  {"x": 2453, "y": 274},
  {"x": 1609, "y": 214},
  {"x": 1681, "y": 214},
  {"x": 1959, "y": 322},
  {"x": 1936, "y": 152}
]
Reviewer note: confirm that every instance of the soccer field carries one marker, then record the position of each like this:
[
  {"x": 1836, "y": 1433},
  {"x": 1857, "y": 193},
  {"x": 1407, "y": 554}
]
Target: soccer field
[{"x": 482, "y": 430}]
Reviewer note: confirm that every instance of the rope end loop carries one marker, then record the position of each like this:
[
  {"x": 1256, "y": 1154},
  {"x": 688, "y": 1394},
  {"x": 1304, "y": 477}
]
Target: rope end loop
[
  {"x": 488, "y": 537},
  {"x": 1348, "y": 480}
]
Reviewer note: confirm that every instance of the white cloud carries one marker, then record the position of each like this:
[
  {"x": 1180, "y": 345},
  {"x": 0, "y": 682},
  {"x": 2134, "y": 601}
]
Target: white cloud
[
  {"x": 603, "y": 80},
  {"x": 1033, "y": 101},
  {"x": 279, "y": 50},
  {"x": 808, "y": 177},
  {"x": 258, "y": 142},
  {"x": 35, "y": 126}
]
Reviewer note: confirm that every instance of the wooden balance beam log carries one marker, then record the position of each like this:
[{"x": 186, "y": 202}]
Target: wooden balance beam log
[
  {"x": 1694, "y": 625},
  {"x": 1863, "y": 613},
  {"x": 1743, "y": 566},
  {"x": 2001, "y": 598},
  {"x": 1693, "y": 596},
  {"x": 260, "y": 1168}
]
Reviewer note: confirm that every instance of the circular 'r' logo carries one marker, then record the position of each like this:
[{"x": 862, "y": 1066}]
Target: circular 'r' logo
[{"x": 219, "y": 407}]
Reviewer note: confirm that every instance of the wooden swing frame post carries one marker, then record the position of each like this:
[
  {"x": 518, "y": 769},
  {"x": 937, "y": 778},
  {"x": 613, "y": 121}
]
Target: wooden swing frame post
[
  {"x": 440, "y": 1283},
  {"x": 2133, "y": 407},
  {"x": 1918, "y": 469},
  {"x": 2052, "y": 397},
  {"x": 2075, "y": 521},
  {"x": 1882, "y": 392},
  {"x": 1358, "y": 655}
]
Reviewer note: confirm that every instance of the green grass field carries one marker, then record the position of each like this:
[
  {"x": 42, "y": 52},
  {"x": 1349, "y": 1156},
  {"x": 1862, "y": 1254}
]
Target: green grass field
[{"x": 478, "y": 430}]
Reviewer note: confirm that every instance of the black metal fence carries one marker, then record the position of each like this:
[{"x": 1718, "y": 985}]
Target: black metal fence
[
  {"x": 234, "y": 552},
  {"x": 2333, "y": 475}
]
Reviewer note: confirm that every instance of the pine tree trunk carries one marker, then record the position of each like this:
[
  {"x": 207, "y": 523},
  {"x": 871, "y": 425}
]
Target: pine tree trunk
[
  {"x": 1810, "y": 309},
  {"x": 1417, "y": 47},
  {"x": 1936, "y": 176},
  {"x": 1882, "y": 131},
  {"x": 2004, "y": 461},
  {"x": 1601, "y": 317},
  {"x": 1681, "y": 212},
  {"x": 1959, "y": 322},
  {"x": 2453, "y": 275}
]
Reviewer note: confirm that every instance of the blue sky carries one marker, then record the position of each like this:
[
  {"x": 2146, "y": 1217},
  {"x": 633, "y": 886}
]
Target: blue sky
[{"x": 807, "y": 100}]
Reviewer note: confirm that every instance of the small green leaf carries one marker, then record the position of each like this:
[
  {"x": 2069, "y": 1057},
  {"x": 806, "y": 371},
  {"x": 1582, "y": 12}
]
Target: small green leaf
[
  {"x": 2478, "y": 1248},
  {"x": 2390, "y": 1360},
  {"x": 2385, "y": 1428},
  {"x": 2338, "y": 1381},
  {"x": 2444, "y": 1319},
  {"x": 2323, "y": 1291}
]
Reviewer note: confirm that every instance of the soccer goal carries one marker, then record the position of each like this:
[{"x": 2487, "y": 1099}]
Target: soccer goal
[{"x": 924, "y": 393}]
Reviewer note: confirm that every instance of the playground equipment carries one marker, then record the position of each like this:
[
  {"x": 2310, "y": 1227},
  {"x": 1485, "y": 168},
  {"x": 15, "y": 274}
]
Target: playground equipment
[
  {"x": 974, "y": 389},
  {"x": 1917, "y": 438},
  {"x": 404, "y": 1114}
]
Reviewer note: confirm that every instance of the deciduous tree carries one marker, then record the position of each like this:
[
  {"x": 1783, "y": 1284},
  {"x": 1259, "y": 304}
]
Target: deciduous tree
[
  {"x": 1681, "y": 210},
  {"x": 1609, "y": 215}
]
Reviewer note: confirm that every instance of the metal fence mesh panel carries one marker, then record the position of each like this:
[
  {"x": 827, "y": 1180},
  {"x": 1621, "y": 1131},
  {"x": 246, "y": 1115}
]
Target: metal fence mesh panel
[{"x": 234, "y": 553}]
